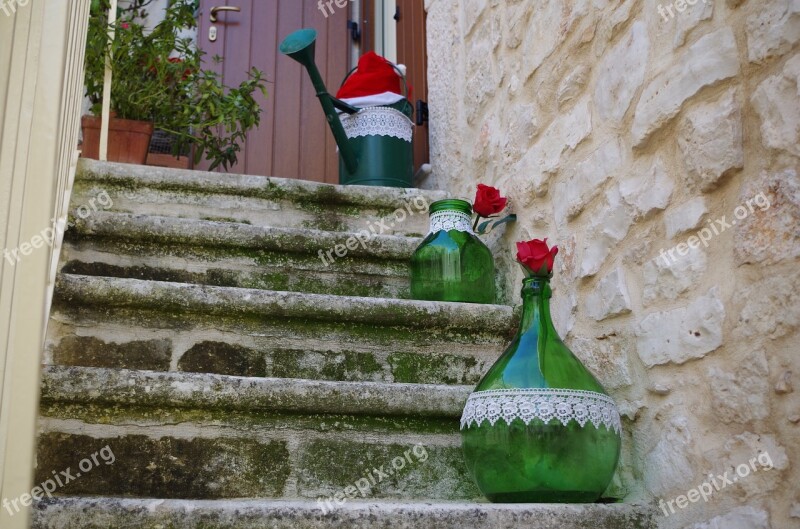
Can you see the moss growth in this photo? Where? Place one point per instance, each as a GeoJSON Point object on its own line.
{"type": "Point", "coordinates": [253, 420]}
{"type": "Point", "coordinates": [223, 359]}
{"type": "Point", "coordinates": [279, 277]}
{"type": "Point", "coordinates": [87, 351]}
{"type": "Point", "coordinates": [227, 219]}
{"type": "Point", "coordinates": [431, 472]}
{"type": "Point", "coordinates": [326, 365]}
{"type": "Point", "coordinates": [167, 467]}
{"type": "Point", "coordinates": [243, 322]}
{"type": "Point", "coordinates": [434, 368]}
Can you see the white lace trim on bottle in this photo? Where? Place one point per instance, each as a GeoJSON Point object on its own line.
{"type": "Point", "coordinates": [450, 220]}
{"type": "Point", "coordinates": [378, 121]}
{"type": "Point", "coordinates": [563, 405]}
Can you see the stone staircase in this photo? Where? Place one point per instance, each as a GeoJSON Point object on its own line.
{"type": "Point", "coordinates": [237, 352]}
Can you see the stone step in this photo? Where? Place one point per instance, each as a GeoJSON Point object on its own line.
{"type": "Point", "coordinates": [239, 255]}
{"type": "Point", "coordinates": [256, 200]}
{"type": "Point", "coordinates": [201, 436]}
{"type": "Point", "coordinates": [164, 326]}
{"type": "Point", "coordinates": [105, 512]}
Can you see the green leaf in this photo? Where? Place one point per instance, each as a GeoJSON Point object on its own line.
{"type": "Point", "coordinates": [489, 225]}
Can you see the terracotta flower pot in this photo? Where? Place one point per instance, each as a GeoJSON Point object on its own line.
{"type": "Point", "coordinates": [128, 140]}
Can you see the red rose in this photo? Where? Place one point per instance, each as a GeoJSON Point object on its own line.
{"type": "Point", "coordinates": [488, 201]}
{"type": "Point", "coordinates": [536, 257]}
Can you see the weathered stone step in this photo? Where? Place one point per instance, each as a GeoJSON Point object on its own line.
{"type": "Point", "coordinates": [239, 255]}
{"type": "Point", "coordinates": [102, 513]}
{"type": "Point", "coordinates": [125, 387]}
{"type": "Point", "coordinates": [257, 200]}
{"type": "Point", "coordinates": [201, 436]}
{"type": "Point", "coordinates": [137, 324]}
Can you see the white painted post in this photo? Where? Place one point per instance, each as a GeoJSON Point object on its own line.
{"type": "Point", "coordinates": [106, 112]}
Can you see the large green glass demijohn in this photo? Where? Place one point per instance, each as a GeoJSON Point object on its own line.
{"type": "Point", "coordinates": [452, 263]}
{"type": "Point", "coordinates": [539, 428]}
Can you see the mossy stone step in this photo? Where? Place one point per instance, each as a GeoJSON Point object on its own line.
{"type": "Point", "coordinates": [137, 324]}
{"type": "Point", "coordinates": [239, 255]}
{"type": "Point", "coordinates": [135, 388]}
{"type": "Point", "coordinates": [104, 512]}
{"type": "Point", "coordinates": [257, 200]}
{"type": "Point", "coordinates": [200, 436]}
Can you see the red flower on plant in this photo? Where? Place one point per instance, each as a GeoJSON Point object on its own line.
{"type": "Point", "coordinates": [536, 257]}
{"type": "Point", "coordinates": [488, 201]}
{"type": "Point", "coordinates": [125, 25]}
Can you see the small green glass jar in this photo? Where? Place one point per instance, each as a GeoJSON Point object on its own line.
{"type": "Point", "coordinates": [539, 428]}
{"type": "Point", "coordinates": [452, 263]}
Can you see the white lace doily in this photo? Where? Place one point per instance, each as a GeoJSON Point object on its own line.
{"type": "Point", "coordinates": [564, 405]}
{"type": "Point", "coordinates": [450, 220]}
{"type": "Point", "coordinates": [378, 121]}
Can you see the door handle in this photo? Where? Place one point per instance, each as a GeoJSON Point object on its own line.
{"type": "Point", "coordinates": [214, 10]}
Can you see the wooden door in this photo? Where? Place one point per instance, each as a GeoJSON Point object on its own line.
{"type": "Point", "coordinates": [293, 140]}
{"type": "Point", "coordinates": [412, 50]}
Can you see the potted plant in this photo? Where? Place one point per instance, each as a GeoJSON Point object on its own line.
{"type": "Point", "coordinates": [159, 83]}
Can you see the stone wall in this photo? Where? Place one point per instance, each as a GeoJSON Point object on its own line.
{"type": "Point", "coordinates": [661, 154]}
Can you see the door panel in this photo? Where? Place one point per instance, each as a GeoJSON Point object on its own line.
{"type": "Point", "coordinates": [293, 139]}
{"type": "Point", "coordinates": [412, 50]}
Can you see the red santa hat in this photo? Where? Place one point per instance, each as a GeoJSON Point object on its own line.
{"type": "Point", "coordinates": [375, 81]}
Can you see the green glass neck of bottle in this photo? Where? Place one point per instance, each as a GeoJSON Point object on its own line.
{"type": "Point", "coordinates": [451, 204]}
{"type": "Point", "coordinates": [536, 294]}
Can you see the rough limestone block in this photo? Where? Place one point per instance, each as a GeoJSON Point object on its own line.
{"type": "Point", "coordinates": [610, 298]}
{"type": "Point", "coordinates": [549, 26]}
{"type": "Point", "coordinates": [776, 102]}
{"type": "Point", "coordinates": [685, 217]}
{"type": "Point", "coordinates": [622, 73]}
{"type": "Point", "coordinates": [666, 278]}
{"type": "Point", "coordinates": [668, 463]}
{"type": "Point", "coordinates": [739, 450]}
{"type": "Point", "coordinates": [737, 518]}
{"type": "Point", "coordinates": [573, 84]}
{"type": "Point", "coordinates": [770, 307]}
{"type": "Point", "coordinates": [711, 59]}
{"type": "Point", "coordinates": [772, 29]}
{"type": "Point", "coordinates": [771, 232]}
{"type": "Point", "coordinates": [679, 335]}
{"type": "Point", "coordinates": [710, 140]}
{"type": "Point", "coordinates": [544, 158]}
{"type": "Point", "coordinates": [584, 182]}
{"type": "Point", "coordinates": [607, 357]}
{"type": "Point", "coordinates": [741, 394]}
{"type": "Point", "coordinates": [690, 19]}
{"type": "Point", "coordinates": [605, 232]}
{"type": "Point", "coordinates": [649, 190]}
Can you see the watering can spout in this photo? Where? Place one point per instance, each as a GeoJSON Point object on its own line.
{"type": "Point", "coordinates": [300, 46]}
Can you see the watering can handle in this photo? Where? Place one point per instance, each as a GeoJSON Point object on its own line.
{"type": "Point", "coordinates": [403, 77]}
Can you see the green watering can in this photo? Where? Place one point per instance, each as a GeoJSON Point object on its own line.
{"type": "Point", "coordinates": [375, 146]}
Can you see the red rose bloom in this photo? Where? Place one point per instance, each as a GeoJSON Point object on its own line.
{"type": "Point", "coordinates": [488, 201]}
{"type": "Point", "coordinates": [536, 257]}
